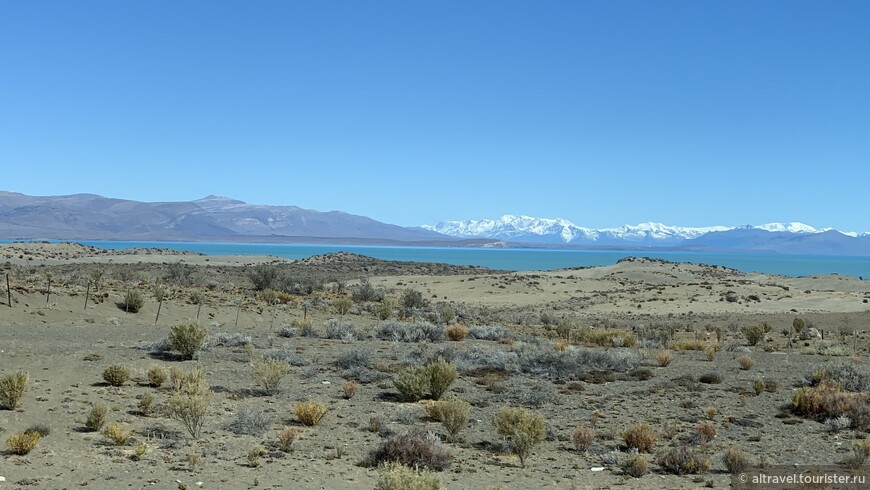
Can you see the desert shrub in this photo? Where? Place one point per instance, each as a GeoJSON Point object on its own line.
{"type": "Point", "coordinates": [190, 401]}
{"type": "Point", "coordinates": [755, 333]}
{"type": "Point", "coordinates": [365, 292]}
{"type": "Point", "coordinates": [524, 430]}
{"type": "Point", "coordinates": [23, 442]}
{"type": "Point", "coordinates": [133, 301]}
{"type": "Point", "coordinates": [826, 400]}
{"type": "Point", "coordinates": [457, 332]}
{"type": "Point", "coordinates": [746, 363]}
{"type": "Point", "coordinates": [414, 449]}
{"type": "Point", "coordinates": [354, 358]}
{"type": "Point", "coordinates": [484, 359]}
{"type": "Point", "coordinates": [838, 424]}
{"type": "Point", "coordinates": [849, 376]}
{"type": "Point", "coordinates": [442, 374]}
{"type": "Point", "coordinates": [653, 337]}
{"type": "Point", "coordinates": [758, 386]}
{"type": "Point", "coordinates": [288, 331]}
{"type": "Point", "coordinates": [309, 413]}
{"type": "Point", "coordinates": [250, 421]}
{"type": "Point", "coordinates": [445, 313]}
{"type": "Point", "coordinates": [116, 375]}
{"type": "Point", "coordinates": [117, 434]}
{"type": "Point", "coordinates": [146, 405]}
{"type": "Point", "coordinates": [96, 417]}
{"type": "Point", "coordinates": [453, 415]}
{"type": "Point", "coordinates": [582, 437]}
{"type": "Point", "coordinates": [798, 324]}
{"type": "Point", "coordinates": [268, 374]}
{"type": "Point", "coordinates": [187, 339]}
{"type": "Point", "coordinates": [640, 436]}
{"type": "Point", "coordinates": [735, 460]}
{"type": "Point", "coordinates": [605, 337]}
{"type": "Point", "coordinates": [494, 333]}
{"type": "Point", "coordinates": [349, 389]}
{"type": "Point", "coordinates": [860, 453]}
{"type": "Point", "coordinates": [410, 332]}
{"type": "Point", "coordinates": [413, 299]}
{"type": "Point", "coordinates": [710, 351]}
{"type": "Point", "coordinates": [12, 388]}
{"type": "Point", "coordinates": [412, 383]}
{"type": "Point", "coordinates": [345, 332]}
{"type": "Point", "coordinates": [396, 476]}
{"type": "Point", "coordinates": [286, 437]}
{"type": "Point", "coordinates": [637, 466]}
{"type": "Point", "coordinates": [263, 277]}
{"type": "Point", "coordinates": [573, 364]}
{"type": "Point", "coordinates": [156, 376]}
{"type": "Point", "coordinates": [684, 461]}
{"type": "Point", "coordinates": [688, 344]}
{"type": "Point", "coordinates": [705, 432]}
{"type": "Point", "coordinates": [225, 339]}
{"type": "Point", "coordinates": [664, 358]}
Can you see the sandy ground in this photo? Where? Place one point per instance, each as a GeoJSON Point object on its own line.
{"type": "Point", "coordinates": [65, 346]}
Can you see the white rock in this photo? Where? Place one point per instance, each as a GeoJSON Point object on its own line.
{"type": "Point", "coordinates": [597, 468]}
{"type": "Point", "coordinates": [325, 383]}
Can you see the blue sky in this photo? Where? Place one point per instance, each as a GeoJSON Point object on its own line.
{"type": "Point", "coordinates": [605, 113]}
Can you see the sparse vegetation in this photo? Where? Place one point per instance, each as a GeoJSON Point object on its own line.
{"type": "Point", "coordinates": [640, 436]}
{"type": "Point", "coordinates": [251, 421]}
{"type": "Point", "coordinates": [117, 434]}
{"type": "Point", "coordinates": [186, 339]}
{"type": "Point", "coordinates": [309, 413]}
{"type": "Point", "coordinates": [442, 374]}
{"type": "Point", "coordinates": [286, 437]}
{"type": "Point", "coordinates": [396, 476]}
{"type": "Point", "coordinates": [133, 301]}
{"type": "Point", "coordinates": [582, 437]}
{"type": "Point", "coordinates": [453, 415]}
{"type": "Point", "coordinates": [414, 449]}
{"type": "Point", "coordinates": [522, 428]}
{"type": "Point", "coordinates": [156, 376]}
{"type": "Point", "coordinates": [664, 358]}
{"type": "Point", "coordinates": [12, 389]}
{"type": "Point", "coordinates": [637, 466]}
{"type": "Point", "coordinates": [755, 333]}
{"type": "Point", "coordinates": [96, 417]}
{"type": "Point", "coordinates": [746, 363]}
{"type": "Point", "coordinates": [457, 332]}
{"type": "Point", "coordinates": [116, 375]}
{"type": "Point", "coordinates": [190, 401]}
{"type": "Point", "coordinates": [735, 460]}
{"type": "Point", "coordinates": [684, 461]}
{"type": "Point", "coordinates": [268, 374]}
{"type": "Point", "coordinates": [23, 442]}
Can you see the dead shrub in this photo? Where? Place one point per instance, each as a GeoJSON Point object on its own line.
{"type": "Point", "coordinates": [664, 358]}
{"type": "Point", "coordinates": [12, 388]}
{"type": "Point", "coordinates": [457, 332]}
{"type": "Point", "coordinates": [582, 437]}
{"type": "Point", "coordinates": [309, 413]}
{"type": "Point", "coordinates": [23, 442]}
{"type": "Point", "coordinates": [640, 436]}
{"type": "Point", "coordinates": [414, 449]}
{"type": "Point", "coordinates": [684, 461]}
{"type": "Point", "coordinates": [286, 436]}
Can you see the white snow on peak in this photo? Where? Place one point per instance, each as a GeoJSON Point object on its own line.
{"type": "Point", "coordinates": [527, 228]}
{"type": "Point", "coordinates": [793, 227]}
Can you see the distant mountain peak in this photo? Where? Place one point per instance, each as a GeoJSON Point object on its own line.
{"type": "Point", "coordinates": [528, 229]}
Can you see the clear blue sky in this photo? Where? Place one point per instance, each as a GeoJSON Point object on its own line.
{"type": "Point", "coordinates": [605, 113]}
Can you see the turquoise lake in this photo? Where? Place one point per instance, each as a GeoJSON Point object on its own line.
{"type": "Point", "coordinates": [529, 259]}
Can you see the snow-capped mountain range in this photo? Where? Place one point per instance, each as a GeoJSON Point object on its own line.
{"type": "Point", "coordinates": [526, 229]}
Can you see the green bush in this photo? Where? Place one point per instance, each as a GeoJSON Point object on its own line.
{"type": "Point", "coordinates": [189, 403]}
{"type": "Point", "coordinates": [524, 429]}
{"type": "Point", "coordinates": [186, 339]}
{"type": "Point", "coordinates": [453, 415]}
{"type": "Point", "coordinates": [412, 383]}
{"type": "Point", "coordinates": [442, 374]}
{"type": "Point", "coordinates": [116, 375]}
{"type": "Point", "coordinates": [12, 388]}
{"type": "Point", "coordinates": [755, 333]}
{"type": "Point", "coordinates": [96, 417]}
{"type": "Point", "coordinates": [133, 301]}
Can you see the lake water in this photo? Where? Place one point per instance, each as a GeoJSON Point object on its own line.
{"type": "Point", "coordinates": [529, 259]}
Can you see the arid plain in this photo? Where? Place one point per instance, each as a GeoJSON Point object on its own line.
{"type": "Point", "coordinates": [689, 362]}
